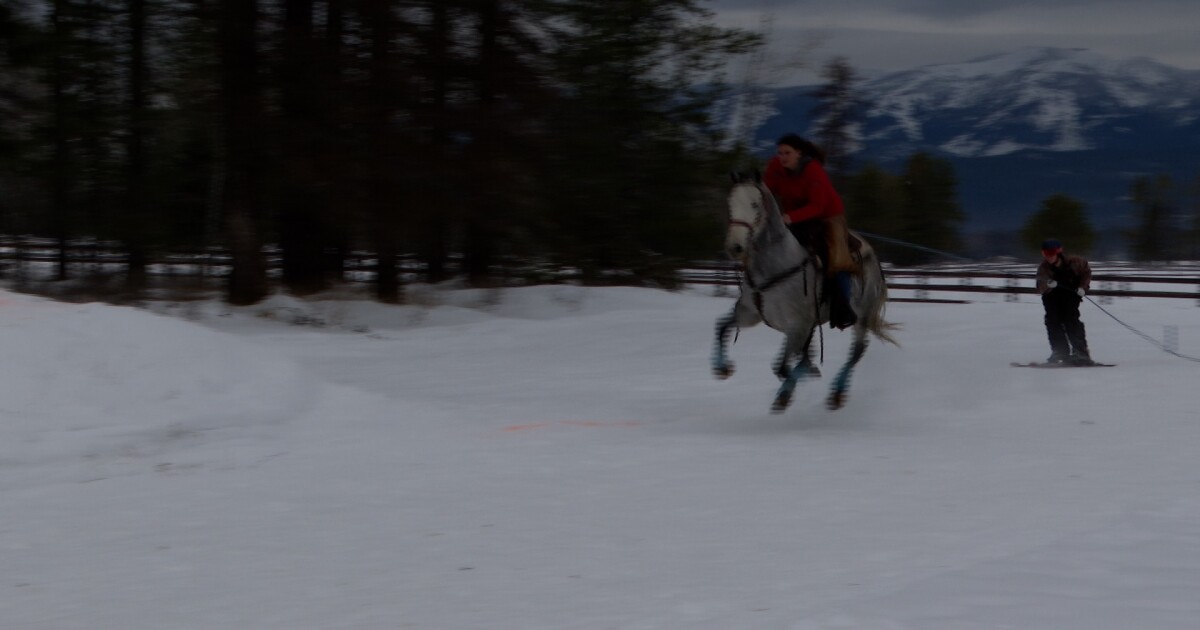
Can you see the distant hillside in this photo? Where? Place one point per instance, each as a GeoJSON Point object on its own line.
{"type": "Point", "coordinates": [1022, 126]}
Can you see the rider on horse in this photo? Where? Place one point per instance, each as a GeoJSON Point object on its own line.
{"type": "Point", "coordinates": [815, 216]}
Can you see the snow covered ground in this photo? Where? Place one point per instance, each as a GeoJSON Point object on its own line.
{"type": "Point", "coordinates": [560, 457]}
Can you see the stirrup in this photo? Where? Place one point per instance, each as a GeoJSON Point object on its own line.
{"type": "Point", "coordinates": [841, 314]}
{"type": "Point", "coordinates": [844, 322]}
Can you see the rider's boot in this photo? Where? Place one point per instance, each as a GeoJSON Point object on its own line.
{"type": "Point", "coordinates": [841, 314]}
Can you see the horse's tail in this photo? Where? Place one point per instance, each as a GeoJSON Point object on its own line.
{"type": "Point", "coordinates": [873, 319]}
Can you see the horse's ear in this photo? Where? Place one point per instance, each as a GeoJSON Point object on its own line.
{"type": "Point", "coordinates": [739, 177]}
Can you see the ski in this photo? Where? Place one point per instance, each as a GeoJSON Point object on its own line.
{"type": "Point", "coordinates": [1039, 364]}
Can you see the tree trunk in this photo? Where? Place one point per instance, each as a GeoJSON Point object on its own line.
{"type": "Point", "coordinates": [240, 103]}
{"type": "Point", "coordinates": [332, 87]}
{"type": "Point", "coordinates": [436, 234]}
{"type": "Point", "coordinates": [60, 178]}
{"type": "Point", "coordinates": [485, 203]}
{"type": "Point", "coordinates": [135, 167]}
{"type": "Point", "coordinates": [382, 205]}
{"type": "Point", "coordinates": [301, 230]}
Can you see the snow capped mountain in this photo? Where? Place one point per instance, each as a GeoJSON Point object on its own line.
{"type": "Point", "coordinates": [1049, 99]}
{"type": "Point", "coordinates": [1020, 127]}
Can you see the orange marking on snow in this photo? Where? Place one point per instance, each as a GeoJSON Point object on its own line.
{"type": "Point", "coordinates": [572, 423]}
{"type": "Point", "coordinates": [600, 423]}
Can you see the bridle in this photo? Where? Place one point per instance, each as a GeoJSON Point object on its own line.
{"type": "Point", "coordinates": [759, 217]}
{"type": "Point", "coordinates": [746, 224]}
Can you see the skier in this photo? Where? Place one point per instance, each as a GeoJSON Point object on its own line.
{"type": "Point", "coordinates": [1063, 281]}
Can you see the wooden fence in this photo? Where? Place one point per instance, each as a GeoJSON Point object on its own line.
{"type": "Point", "coordinates": [1012, 279]}
{"type": "Point", "coordinates": [948, 283]}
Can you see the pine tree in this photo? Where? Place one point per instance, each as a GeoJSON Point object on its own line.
{"type": "Point", "coordinates": [383, 215]}
{"type": "Point", "coordinates": [135, 212]}
{"type": "Point", "coordinates": [874, 198]}
{"type": "Point", "coordinates": [304, 141]}
{"type": "Point", "coordinates": [1063, 218]}
{"type": "Point", "coordinates": [1153, 237]}
{"type": "Point", "coordinates": [81, 132]}
{"type": "Point", "coordinates": [442, 64]}
{"type": "Point", "coordinates": [634, 157]}
{"type": "Point", "coordinates": [21, 109]}
{"type": "Point", "coordinates": [1192, 229]}
{"type": "Point", "coordinates": [838, 111]}
{"type": "Point", "coordinates": [930, 215]}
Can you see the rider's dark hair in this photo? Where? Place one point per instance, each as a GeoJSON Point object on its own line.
{"type": "Point", "coordinates": [804, 147]}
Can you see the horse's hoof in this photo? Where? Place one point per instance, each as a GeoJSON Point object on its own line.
{"type": "Point", "coordinates": [723, 372]}
{"type": "Point", "coordinates": [781, 403]}
{"type": "Point", "coordinates": [835, 401]}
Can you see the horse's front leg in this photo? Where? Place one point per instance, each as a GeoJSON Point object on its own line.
{"type": "Point", "coordinates": [783, 367]}
{"type": "Point", "coordinates": [792, 375]}
{"type": "Point", "coordinates": [806, 361]}
{"type": "Point", "coordinates": [740, 316]}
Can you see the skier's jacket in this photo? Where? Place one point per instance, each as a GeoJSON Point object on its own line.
{"type": "Point", "coordinates": [1074, 273]}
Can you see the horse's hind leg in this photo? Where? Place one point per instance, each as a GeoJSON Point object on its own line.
{"type": "Point", "coordinates": [738, 316]}
{"type": "Point", "coordinates": [837, 397]}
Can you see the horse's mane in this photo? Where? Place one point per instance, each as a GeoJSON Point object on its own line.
{"type": "Point", "coordinates": [754, 178]}
{"type": "Point", "coordinates": [776, 229]}
{"type": "Point", "coordinates": [772, 206]}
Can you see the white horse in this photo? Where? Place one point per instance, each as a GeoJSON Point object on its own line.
{"type": "Point", "coordinates": [783, 285]}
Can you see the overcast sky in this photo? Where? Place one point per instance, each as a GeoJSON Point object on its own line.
{"type": "Point", "coordinates": [888, 35]}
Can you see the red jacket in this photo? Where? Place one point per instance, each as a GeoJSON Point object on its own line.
{"type": "Point", "coordinates": [805, 195]}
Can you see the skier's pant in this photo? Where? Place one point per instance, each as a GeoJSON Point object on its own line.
{"type": "Point", "coordinates": [1063, 328]}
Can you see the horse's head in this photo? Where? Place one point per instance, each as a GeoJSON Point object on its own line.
{"type": "Point", "coordinates": [749, 206]}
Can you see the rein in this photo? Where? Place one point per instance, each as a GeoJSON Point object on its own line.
{"type": "Point", "coordinates": [780, 277]}
{"type": "Point", "coordinates": [771, 282]}
{"type": "Point", "coordinates": [775, 279]}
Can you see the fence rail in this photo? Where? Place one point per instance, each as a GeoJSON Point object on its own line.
{"type": "Point", "coordinates": [1011, 278]}
{"type": "Point", "coordinates": [1109, 280]}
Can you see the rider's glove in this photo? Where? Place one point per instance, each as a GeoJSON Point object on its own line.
{"type": "Point", "coordinates": [1052, 283]}
{"type": "Point", "coordinates": [1080, 292]}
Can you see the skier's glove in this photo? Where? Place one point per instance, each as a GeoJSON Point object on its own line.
{"type": "Point", "coordinates": [1080, 292]}
{"type": "Point", "coordinates": [1052, 283]}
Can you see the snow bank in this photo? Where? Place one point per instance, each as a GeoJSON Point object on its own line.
{"type": "Point", "coordinates": [103, 382]}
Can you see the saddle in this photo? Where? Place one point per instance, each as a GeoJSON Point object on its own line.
{"type": "Point", "coordinates": [815, 244]}
{"type": "Point", "coordinates": [855, 244]}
